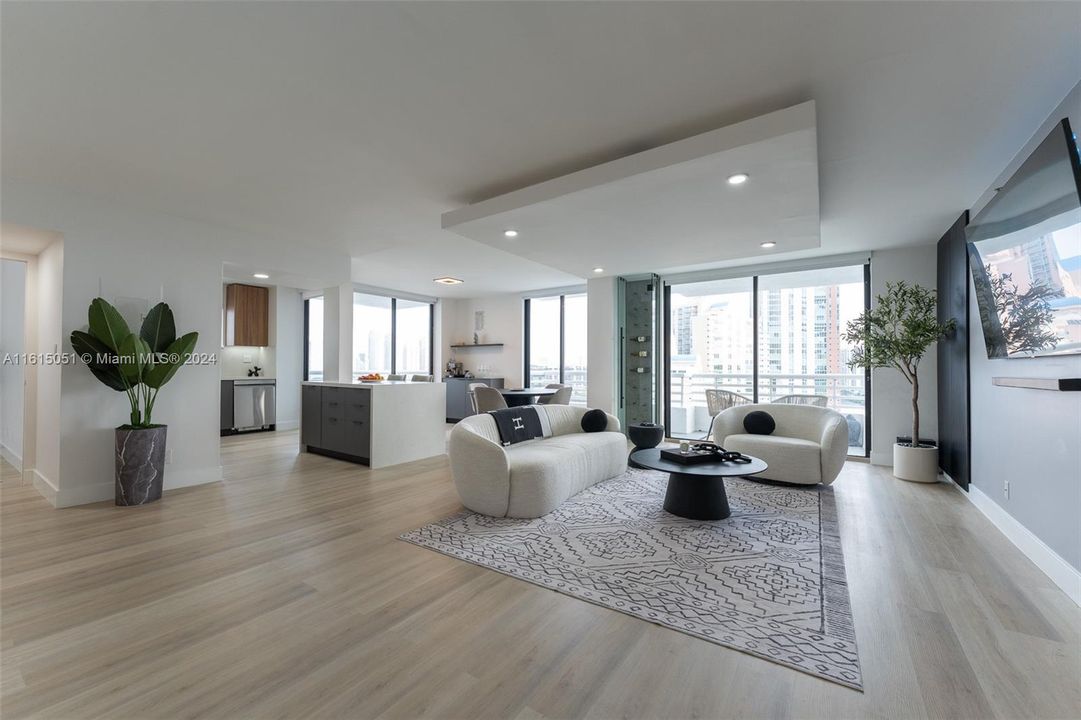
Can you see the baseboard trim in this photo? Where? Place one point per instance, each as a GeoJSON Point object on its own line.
{"type": "Point", "coordinates": [287, 425]}
{"type": "Point", "coordinates": [1064, 575]}
{"type": "Point", "coordinates": [100, 492]}
{"type": "Point", "coordinates": [11, 457]}
{"type": "Point", "coordinates": [186, 478]}
{"type": "Point", "coordinates": [45, 487]}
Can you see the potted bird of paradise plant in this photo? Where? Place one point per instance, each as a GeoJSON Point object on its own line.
{"type": "Point", "coordinates": [139, 365]}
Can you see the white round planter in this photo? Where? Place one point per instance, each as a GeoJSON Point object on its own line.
{"type": "Point", "coordinates": [918, 464]}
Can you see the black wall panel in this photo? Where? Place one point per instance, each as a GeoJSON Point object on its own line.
{"type": "Point", "coordinates": [954, 442]}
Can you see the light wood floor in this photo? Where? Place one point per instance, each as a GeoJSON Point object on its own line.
{"type": "Point", "coordinates": [283, 593]}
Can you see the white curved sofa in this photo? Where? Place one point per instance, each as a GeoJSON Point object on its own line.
{"type": "Point", "coordinates": [809, 445]}
{"type": "Point", "coordinates": [532, 478]}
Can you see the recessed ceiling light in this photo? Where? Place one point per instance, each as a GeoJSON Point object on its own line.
{"type": "Point", "coordinates": [261, 276]}
{"type": "Point", "coordinates": [598, 270]}
{"type": "Point", "coordinates": [738, 178]}
{"type": "Point", "coordinates": [448, 281]}
{"type": "Point", "coordinates": [510, 233]}
{"type": "Point", "coordinates": [769, 244]}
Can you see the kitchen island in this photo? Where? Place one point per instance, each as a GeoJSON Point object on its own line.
{"type": "Point", "coordinates": [377, 424]}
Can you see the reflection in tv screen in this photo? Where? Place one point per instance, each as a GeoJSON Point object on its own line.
{"type": "Point", "coordinates": [1025, 255]}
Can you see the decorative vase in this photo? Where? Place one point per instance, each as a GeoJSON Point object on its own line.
{"type": "Point", "coordinates": [140, 464]}
{"type": "Point", "coordinates": [916, 464]}
{"type": "Point", "coordinates": [645, 435]}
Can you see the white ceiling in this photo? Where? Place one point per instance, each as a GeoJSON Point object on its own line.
{"type": "Point", "coordinates": [667, 207]}
{"type": "Point", "coordinates": [356, 125]}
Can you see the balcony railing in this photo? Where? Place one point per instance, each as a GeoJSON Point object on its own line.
{"type": "Point", "coordinates": [845, 393]}
{"type": "Point", "coordinates": [576, 378]}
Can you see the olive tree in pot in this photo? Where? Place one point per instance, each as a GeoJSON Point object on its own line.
{"type": "Point", "coordinates": [138, 365]}
{"type": "Point", "coordinates": [895, 333]}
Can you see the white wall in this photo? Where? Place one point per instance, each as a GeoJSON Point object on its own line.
{"type": "Point", "coordinates": [1031, 438]}
{"type": "Point", "coordinates": [48, 420]}
{"type": "Point", "coordinates": [115, 251]}
{"type": "Point", "coordinates": [338, 333]}
{"type": "Point", "coordinates": [891, 394]}
{"type": "Point", "coordinates": [288, 339]}
{"type": "Point", "coordinates": [12, 345]}
{"type": "Point", "coordinates": [504, 322]}
{"type": "Point", "coordinates": [601, 350]}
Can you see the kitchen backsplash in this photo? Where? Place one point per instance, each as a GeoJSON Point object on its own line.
{"type": "Point", "coordinates": [236, 361]}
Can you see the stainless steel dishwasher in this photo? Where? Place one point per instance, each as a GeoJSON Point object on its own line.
{"type": "Point", "coordinates": [253, 403]}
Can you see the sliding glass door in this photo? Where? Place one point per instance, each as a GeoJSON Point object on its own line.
{"type": "Point", "coordinates": [556, 339]}
{"type": "Point", "coordinates": [767, 339]}
{"type": "Point", "coordinates": [711, 342]}
{"type": "Point", "coordinates": [801, 355]}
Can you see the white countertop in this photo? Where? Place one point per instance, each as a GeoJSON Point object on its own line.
{"type": "Point", "coordinates": [359, 384]}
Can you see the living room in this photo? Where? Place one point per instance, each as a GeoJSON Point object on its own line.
{"type": "Point", "coordinates": [540, 359]}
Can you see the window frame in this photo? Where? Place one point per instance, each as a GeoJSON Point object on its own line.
{"type": "Point", "coordinates": [527, 327]}
{"type": "Point", "coordinates": [755, 313]}
{"type": "Point", "coordinates": [306, 365]}
{"type": "Point", "coordinates": [394, 329]}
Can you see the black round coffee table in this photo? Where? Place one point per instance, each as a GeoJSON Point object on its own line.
{"type": "Point", "coordinates": [696, 491]}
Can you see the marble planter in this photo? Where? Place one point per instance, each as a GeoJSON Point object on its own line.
{"type": "Point", "coordinates": [140, 464]}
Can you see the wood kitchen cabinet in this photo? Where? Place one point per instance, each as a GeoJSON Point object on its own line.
{"type": "Point", "coordinates": [247, 315]}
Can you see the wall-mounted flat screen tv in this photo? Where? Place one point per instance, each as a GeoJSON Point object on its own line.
{"type": "Point", "coordinates": [1025, 255]}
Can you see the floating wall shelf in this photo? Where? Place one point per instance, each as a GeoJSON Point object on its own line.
{"type": "Point", "coordinates": [1060, 384]}
{"type": "Point", "coordinates": [473, 345]}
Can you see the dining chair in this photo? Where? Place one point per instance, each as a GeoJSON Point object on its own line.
{"type": "Point", "coordinates": [395, 377]}
{"type": "Point", "coordinates": [487, 398]}
{"type": "Point", "coordinates": [421, 378]}
{"type": "Point", "coordinates": [816, 400]}
{"type": "Point", "coordinates": [718, 400]}
{"type": "Point", "coordinates": [471, 392]}
{"type": "Point", "coordinates": [562, 395]}
{"type": "Point", "coordinates": [557, 398]}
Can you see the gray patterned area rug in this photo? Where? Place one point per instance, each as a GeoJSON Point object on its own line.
{"type": "Point", "coordinates": [768, 581]}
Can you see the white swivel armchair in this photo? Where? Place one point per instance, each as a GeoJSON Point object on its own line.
{"type": "Point", "coordinates": [808, 446]}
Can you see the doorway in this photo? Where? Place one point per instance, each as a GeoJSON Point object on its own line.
{"type": "Point", "coordinates": [13, 275]}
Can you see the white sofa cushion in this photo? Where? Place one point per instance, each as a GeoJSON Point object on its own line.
{"type": "Point", "coordinates": [545, 472]}
{"type": "Point", "coordinates": [790, 459]}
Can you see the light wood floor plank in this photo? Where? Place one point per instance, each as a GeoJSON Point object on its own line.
{"type": "Point", "coordinates": [283, 592]}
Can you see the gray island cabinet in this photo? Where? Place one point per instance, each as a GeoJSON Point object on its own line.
{"type": "Point", "coordinates": [377, 424]}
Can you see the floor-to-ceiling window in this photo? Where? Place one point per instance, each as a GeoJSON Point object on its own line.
{"type": "Point", "coordinates": [412, 337]}
{"type": "Point", "coordinates": [556, 339]}
{"type": "Point", "coordinates": [372, 334]}
{"type": "Point", "coordinates": [766, 338]}
{"type": "Point", "coordinates": [391, 335]}
{"type": "Point", "coordinates": [575, 340]}
{"type": "Point", "coordinates": [313, 338]}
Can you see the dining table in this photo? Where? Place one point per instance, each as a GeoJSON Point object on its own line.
{"type": "Point", "coordinates": [516, 397]}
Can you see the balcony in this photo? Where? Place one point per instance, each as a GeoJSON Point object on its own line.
{"type": "Point", "coordinates": [845, 393]}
